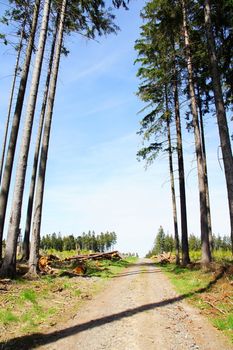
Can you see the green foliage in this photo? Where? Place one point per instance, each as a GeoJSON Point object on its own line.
{"type": "Point", "coordinates": [157, 56]}
{"type": "Point", "coordinates": [194, 243]}
{"type": "Point", "coordinates": [163, 243]}
{"type": "Point", "coordinates": [87, 241]}
{"type": "Point", "coordinates": [166, 243]}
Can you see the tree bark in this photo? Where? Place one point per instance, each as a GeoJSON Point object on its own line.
{"type": "Point", "coordinates": [221, 114]}
{"type": "Point", "coordinates": [206, 254]}
{"type": "Point", "coordinates": [183, 209]}
{"type": "Point", "coordinates": [8, 268]}
{"type": "Point", "coordinates": [206, 171]}
{"type": "Point", "coordinates": [35, 241]}
{"type": "Point", "coordinates": [10, 102]}
{"type": "Point", "coordinates": [174, 209]}
{"type": "Point", "coordinates": [15, 125]}
{"type": "Point", "coordinates": [26, 240]}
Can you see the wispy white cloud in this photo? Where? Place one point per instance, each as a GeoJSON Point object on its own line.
{"type": "Point", "coordinates": [88, 69]}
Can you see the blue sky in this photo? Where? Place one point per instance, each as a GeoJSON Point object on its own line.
{"type": "Point", "coordinates": [94, 181]}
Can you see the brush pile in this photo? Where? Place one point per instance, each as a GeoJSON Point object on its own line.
{"type": "Point", "coordinates": [51, 264]}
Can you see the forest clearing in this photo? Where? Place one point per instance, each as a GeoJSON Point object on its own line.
{"type": "Point", "coordinates": [89, 88]}
{"type": "Point", "coordinates": [137, 308]}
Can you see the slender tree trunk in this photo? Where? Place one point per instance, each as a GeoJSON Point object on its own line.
{"type": "Point", "coordinates": [11, 102]}
{"type": "Point", "coordinates": [206, 254]}
{"type": "Point", "coordinates": [15, 125]}
{"type": "Point", "coordinates": [26, 240]}
{"type": "Point", "coordinates": [205, 167]}
{"type": "Point", "coordinates": [176, 234]}
{"type": "Point", "coordinates": [35, 241]}
{"type": "Point", "coordinates": [183, 210]}
{"type": "Point", "coordinates": [9, 263]}
{"type": "Point", "coordinates": [221, 114]}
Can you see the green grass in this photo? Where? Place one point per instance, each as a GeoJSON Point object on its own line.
{"type": "Point", "coordinates": [7, 316]}
{"type": "Point", "coordinates": [77, 292]}
{"type": "Point", "coordinates": [34, 317]}
{"type": "Point", "coordinates": [185, 280]}
{"type": "Point", "coordinates": [31, 306]}
{"type": "Point", "coordinates": [223, 255]}
{"type": "Point", "coordinates": [196, 284]}
{"type": "Point", "coordinates": [107, 268]}
{"type": "Point", "coordinates": [28, 295]}
{"type": "Point", "coordinates": [224, 324]}
{"type": "Point", "coordinates": [218, 255]}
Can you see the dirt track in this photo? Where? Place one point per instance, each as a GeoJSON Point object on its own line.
{"type": "Point", "coordinates": [137, 310]}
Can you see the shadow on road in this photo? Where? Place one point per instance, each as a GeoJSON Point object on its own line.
{"type": "Point", "coordinates": [34, 340]}
{"type": "Point", "coordinates": [136, 272]}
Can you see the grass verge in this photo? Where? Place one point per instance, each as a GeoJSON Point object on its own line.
{"type": "Point", "coordinates": [211, 290]}
{"type": "Point", "coordinates": [34, 306]}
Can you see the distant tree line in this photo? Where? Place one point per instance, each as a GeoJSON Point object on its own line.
{"type": "Point", "coordinates": [87, 241]}
{"type": "Point", "coordinates": [166, 243]}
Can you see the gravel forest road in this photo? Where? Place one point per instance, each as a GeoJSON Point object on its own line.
{"type": "Point", "coordinates": [137, 310]}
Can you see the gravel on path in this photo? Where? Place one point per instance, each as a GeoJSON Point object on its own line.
{"type": "Point", "coordinates": [137, 310]}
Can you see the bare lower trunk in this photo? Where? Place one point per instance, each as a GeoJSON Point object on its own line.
{"type": "Point", "coordinates": [35, 241]}
{"type": "Point", "coordinates": [26, 240]}
{"type": "Point", "coordinates": [183, 210]}
{"type": "Point", "coordinates": [174, 210]}
{"type": "Point", "coordinates": [206, 254]}
{"type": "Point", "coordinates": [10, 102]}
{"type": "Point", "coordinates": [15, 125]}
{"type": "Point", "coordinates": [206, 172]}
{"type": "Point", "coordinates": [221, 114]}
{"type": "Point", "coordinates": [15, 216]}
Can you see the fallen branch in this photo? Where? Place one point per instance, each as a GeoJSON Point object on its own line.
{"type": "Point", "coordinates": [215, 307]}
{"type": "Point", "coordinates": [96, 256]}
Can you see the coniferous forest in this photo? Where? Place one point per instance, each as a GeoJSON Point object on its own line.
{"type": "Point", "coordinates": [184, 53]}
{"type": "Point", "coordinates": [87, 241]}
{"type": "Point", "coordinates": [82, 291]}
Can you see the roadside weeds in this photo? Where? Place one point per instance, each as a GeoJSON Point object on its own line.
{"type": "Point", "coordinates": [210, 290]}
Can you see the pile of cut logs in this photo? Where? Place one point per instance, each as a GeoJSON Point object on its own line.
{"type": "Point", "coordinates": [164, 258]}
{"type": "Point", "coordinates": [115, 255]}
{"type": "Point", "coordinates": [49, 263]}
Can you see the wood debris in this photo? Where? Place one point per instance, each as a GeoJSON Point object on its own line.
{"type": "Point", "coordinates": [45, 263]}
{"type": "Point", "coordinates": [115, 255]}
{"type": "Point", "coordinates": [164, 258]}
{"type": "Point", "coordinates": [48, 264]}
{"type": "Point", "coordinates": [80, 270]}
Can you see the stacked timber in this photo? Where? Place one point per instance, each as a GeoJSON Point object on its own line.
{"type": "Point", "coordinates": [48, 264]}
{"type": "Point", "coordinates": [164, 258]}
{"type": "Point", "coordinates": [115, 255]}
